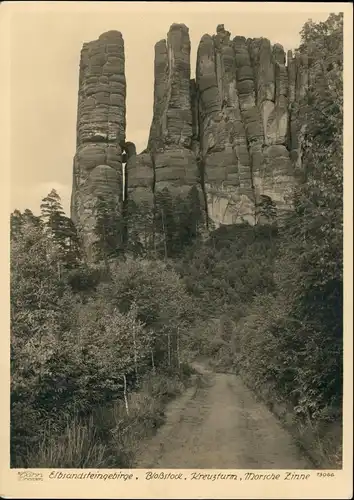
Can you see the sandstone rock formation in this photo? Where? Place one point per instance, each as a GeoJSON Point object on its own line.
{"type": "Point", "coordinates": [222, 126]}
{"type": "Point", "coordinates": [234, 132]}
{"type": "Point", "coordinates": [170, 161]}
{"type": "Point", "coordinates": [100, 130]}
{"type": "Point", "coordinates": [244, 122]}
{"type": "Point", "coordinates": [139, 175]}
{"type": "Point", "coordinates": [171, 133]}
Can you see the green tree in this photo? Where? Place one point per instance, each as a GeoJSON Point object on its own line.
{"type": "Point", "coordinates": [52, 212]}
{"type": "Point", "coordinates": [41, 306]}
{"type": "Point", "coordinates": [197, 218]}
{"type": "Point", "coordinates": [29, 217]}
{"type": "Point", "coordinates": [266, 210]}
{"type": "Point", "coordinates": [140, 222]}
{"type": "Point", "coordinates": [110, 230]}
{"type": "Point", "coordinates": [159, 297]}
{"type": "Point", "coordinates": [18, 220]}
{"type": "Point", "coordinates": [16, 223]}
{"type": "Point", "coordinates": [164, 222]}
{"type": "Point", "coordinates": [178, 220]}
{"type": "Point", "coordinates": [66, 356]}
{"type": "Point", "coordinates": [189, 219]}
{"type": "Point", "coordinates": [61, 229]}
{"type": "Point", "coordinates": [317, 224]}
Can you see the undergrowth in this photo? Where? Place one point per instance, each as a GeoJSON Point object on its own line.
{"type": "Point", "coordinates": [111, 435]}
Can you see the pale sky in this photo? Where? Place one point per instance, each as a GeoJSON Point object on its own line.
{"type": "Point", "coordinates": [45, 51]}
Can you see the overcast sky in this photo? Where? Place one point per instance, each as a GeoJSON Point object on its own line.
{"type": "Point", "coordinates": [45, 52]}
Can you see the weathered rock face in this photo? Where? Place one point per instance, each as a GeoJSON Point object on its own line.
{"type": "Point", "coordinates": [233, 134]}
{"type": "Point", "coordinates": [244, 125]}
{"type": "Point", "coordinates": [100, 130]}
{"type": "Point", "coordinates": [223, 140]}
{"type": "Point", "coordinates": [272, 172]}
{"type": "Point", "coordinates": [171, 134]}
{"type": "Point", "coordinates": [139, 195]}
{"type": "Point", "coordinates": [170, 162]}
{"type": "Point", "coordinates": [139, 176]}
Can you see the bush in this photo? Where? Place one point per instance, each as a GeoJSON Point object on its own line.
{"type": "Point", "coordinates": [226, 271]}
{"type": "Point", "coordinates": [77, 447]}
{"type": "Point", "coordinates": [110, 436]}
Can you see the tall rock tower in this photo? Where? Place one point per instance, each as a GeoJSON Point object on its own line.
{"type": "Point", "coordinates": [218, 145]}
{"type": "Point", "coordinates": [170, 164]}
{"type": "Point", "coordinates": [97, 171]}
{"type": "Point", "coordinates": [171, 130]}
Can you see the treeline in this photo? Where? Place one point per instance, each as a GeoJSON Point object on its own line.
{"type": "Point", "coordinates": [163, 230]}
{"type": "Point", "coordinates": [86, 337]}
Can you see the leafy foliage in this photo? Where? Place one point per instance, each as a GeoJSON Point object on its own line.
{"type": "Point", "coordinates": [71, 353]}
{"type": "Point", "coordinates": [266, 210]}
{"type": "Point", "coordinates": [226, 271]}
{"type": "Point", "coordinates": [159, 297]}
{"type": "Point", "coordinates": [40, 315]}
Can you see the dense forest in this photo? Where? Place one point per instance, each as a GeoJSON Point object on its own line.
{"type": "Point", "coordinates": [97, 349]}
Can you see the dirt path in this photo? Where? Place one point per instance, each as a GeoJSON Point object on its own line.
{"type": "Point", "coordinates": [219, 424]}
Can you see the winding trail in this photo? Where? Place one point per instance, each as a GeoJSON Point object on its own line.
{"type": "Point", "coordinates": [219, 424]}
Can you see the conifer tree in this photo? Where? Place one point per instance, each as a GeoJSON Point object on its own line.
{"type": "Point", "coordinates": [16, 223]}
{"type": "Point", "coordinates": [137, 227]}
{"type": "Point", "coordinates": [109, 230]}
{"type": "Point", "coordinates": [165, 223]}
{"type": "Point", "coordinates": [196, 216]}
{"type": "Point", "coordinates": [52, 212]}
{"type": "Point", "coordinates": [29, 217]}
{"type": "Point", "coordinates": [19, 220]}
{"type": "Point", "coordinates": [60, 229]}
{"type": "Point", "coordinates": [266, 210]}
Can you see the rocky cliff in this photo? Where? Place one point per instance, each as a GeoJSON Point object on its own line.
{"type": "Point", "coordinates": [232, 134]}
{"type": "Point", "coordinates": [244, 107]}
{"type": "Point", "coordinates": [97, 171]}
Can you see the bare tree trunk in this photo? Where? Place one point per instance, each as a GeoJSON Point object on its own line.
{"type": "Point", "coordinates": [152, 156]}
{"type": "Point", "coordinates": [169, 347]}
{"type": "Point", "coordinates": [153, 362]}
{"type": "Point", "coordinates": [164, 233]}
{"type": "Point", "coordinates": [59, 270]}
{"type": "Point", "coordinates": [178, 351]}
{"type": "Point", "coordinates": [125, 395]}
{"type": "Point", "coordinates": [154, 243]}
{"type": "Point", "coordinates": [135, 357]}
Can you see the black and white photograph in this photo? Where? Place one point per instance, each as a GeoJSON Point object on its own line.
{"type": "Point", "coordinates": [176, 239]}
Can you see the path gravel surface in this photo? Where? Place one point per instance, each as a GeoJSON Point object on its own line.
{"type": "Point", "coordinates": [219, 424]}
